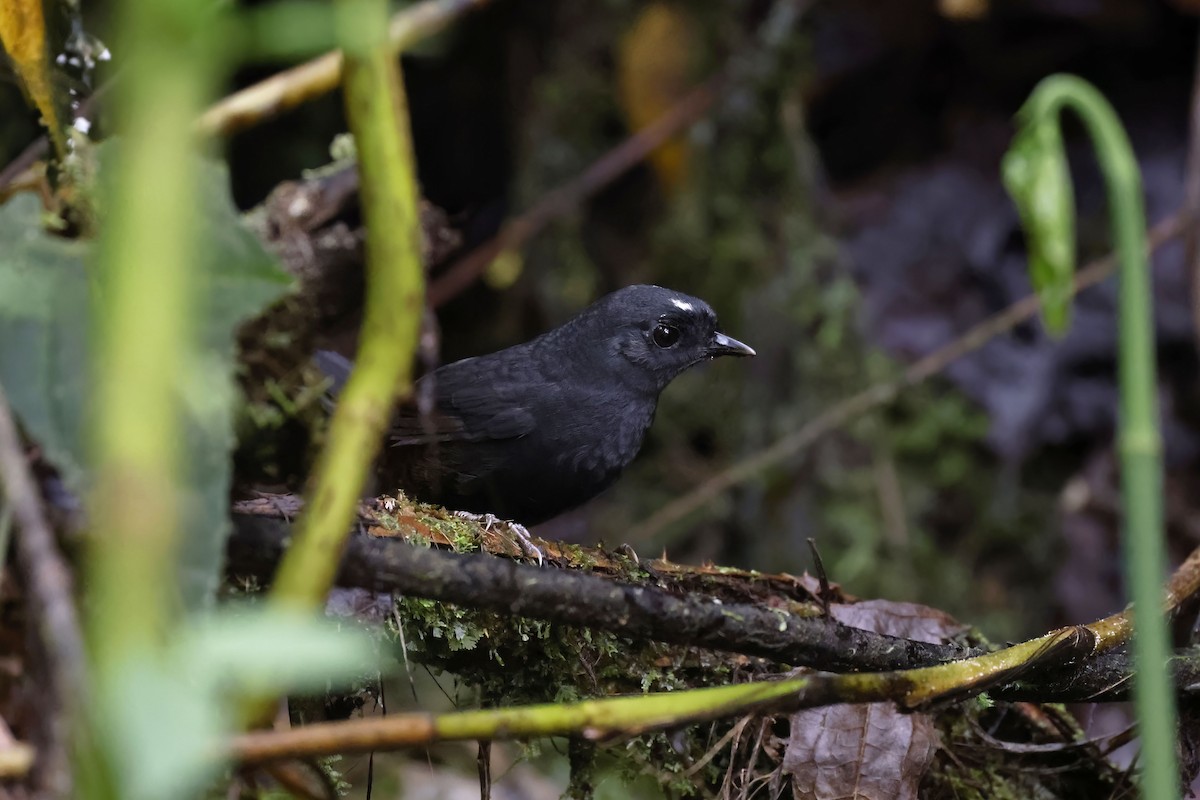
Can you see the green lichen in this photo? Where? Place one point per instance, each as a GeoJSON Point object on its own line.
{"type": "Point", "coordinates": [388, 521]}
{"type": "Point", "coordinates": [465, 540]}
{"type": "Point", "coordinates": [579, 556]}
{"type": "Point", "coordinates": [462, 534]}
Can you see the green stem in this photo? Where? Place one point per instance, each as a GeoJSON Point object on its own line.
{"type": "Point", "coordinates": [378, 116]}
{"type": "Point", "coordinates": [1139, 441]}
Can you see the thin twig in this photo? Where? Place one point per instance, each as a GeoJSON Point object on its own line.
{"type": "Point", "coordinates": [560, 202]}
{"type": "Point", "coordinates": [285, 90]}
{"type": "Point", "coordinates": [564, 200]}
{"type": "Point", "coordinates": [34, 151]}
{"type": "Point", "coordinates": [16, 758]}
{"type": "Point", "coordinates": [51, 600]}
{"type": "Point", "coordinates": [40, 146]}
{"type": "Point", "coordinates": [288, 89]}
{"type": "Point", "coordinates": [880, 394]}
{"type": "Point", "coordinates": [1191, 210]}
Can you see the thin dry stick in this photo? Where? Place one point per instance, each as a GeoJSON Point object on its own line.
{"type": "Point", "coordinates": [16, 758]}
{"type": "Point", "coordinates": [1191, 184]}
{"type": "Point", "coordinates": [565, 199]}
{"type": "Point", "coordinates": [1184, 583]}
{"type": "Point", "coordinates": [881, 393]}
{"type": "Point", "coordinates": [51, 598]}
{"type": "Point", "coordinates": [292, 87]}
{"type": "Point", "coordinates": [19, 166]}
{"type": "Point", "coordinates": [39, 148]}
{"type": "Point", "coordinates": [285, 90]}
{"type": "Point", "coordinates": [690, 109]}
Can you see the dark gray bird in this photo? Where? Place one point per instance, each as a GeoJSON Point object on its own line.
{"type": "Point", "coordinates": [537, 429]}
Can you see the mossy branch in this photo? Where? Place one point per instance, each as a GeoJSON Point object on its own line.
{"type": "Point", "coordinates": [711, 608]}
{"type": "Point", "coordinates": [754, 614]}
{"type": "Point", "coordinates": [598, 719]}
{"type": "Point", "coordinates": [378, 115]}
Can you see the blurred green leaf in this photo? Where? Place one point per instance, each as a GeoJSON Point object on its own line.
{"type": "Point", "coordinates": [1036, 174]}
{"type": "Point", "coordinates": [242, 279]}
{"type": "Point", "coordinates": [258, 650]}
{"type": "Point", "coordinates": [44, 326]}
{"type": "Point", "coordinates": [43, 333]}
{"type": "Point", "coordinates": [179, 708]}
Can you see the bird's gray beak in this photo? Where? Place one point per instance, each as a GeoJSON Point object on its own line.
{"type": "Point", "coordinates": [723, 345]}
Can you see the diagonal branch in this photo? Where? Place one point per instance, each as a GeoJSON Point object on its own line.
{"type": "Point", "coordinates": [51, 598]}
{"type": "Point", "coordinates": [566, 199]}
{"type": "Point", "coordinates": [305, 82]}
{"type": "Point", "coordinates": [1191, 189]}
{"type": "Point", "coordinates": [749, 64]}
{"type": "Point", "coordinates": [589, 719]}
{"type": "Point", "coordinates": [879, 394]}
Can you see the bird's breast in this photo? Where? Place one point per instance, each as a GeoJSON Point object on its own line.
{"type": "Point", "coordinates": [601, 441]}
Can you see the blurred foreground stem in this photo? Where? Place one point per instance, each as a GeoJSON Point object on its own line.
{"type": "Point", "coordinates": [143, 346]}
{"type": "Point", "coordinates": [143, 320]}
{"type": "Point", "coordinates": [378, 115]}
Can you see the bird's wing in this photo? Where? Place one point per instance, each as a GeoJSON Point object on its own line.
{"type": "Point", "coordinates": [475, 400]}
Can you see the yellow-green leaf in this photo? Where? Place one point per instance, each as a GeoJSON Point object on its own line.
{"type": "Point", "coordinates": [1038, 178]}
{"type": "Point", "coordinates": [23, 35]}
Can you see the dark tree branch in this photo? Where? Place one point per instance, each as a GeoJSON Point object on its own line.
{"type": "Point", "coordinates": [669, 608]}
{"type": "Point", "coordinates": [577, 598]}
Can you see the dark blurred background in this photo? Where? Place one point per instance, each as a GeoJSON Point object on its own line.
{"type": "Point", "coordinates": [840, 205]}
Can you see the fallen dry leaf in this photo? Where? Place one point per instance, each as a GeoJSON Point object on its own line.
{"type": "Point", "coordinates": [868, 751]}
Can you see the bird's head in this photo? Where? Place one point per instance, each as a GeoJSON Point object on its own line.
{"type": "Point", "coordinates": [653, 334]}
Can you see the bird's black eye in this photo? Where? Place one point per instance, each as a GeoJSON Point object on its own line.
{"type": "Point", "coordinates": [665, 335]}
